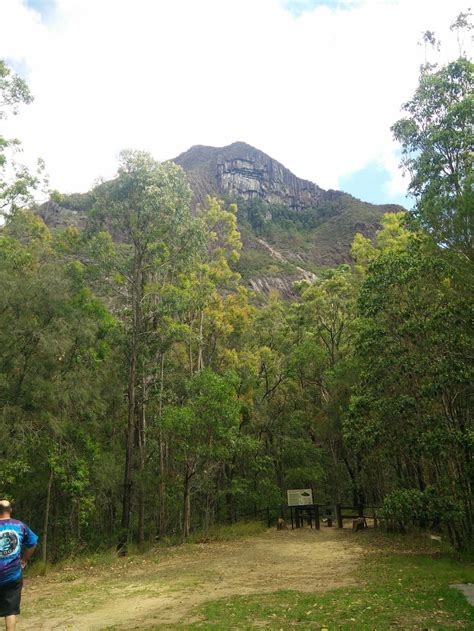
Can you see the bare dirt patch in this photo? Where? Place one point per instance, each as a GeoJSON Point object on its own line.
{"type": "Point", "coordinates": [165, 588]}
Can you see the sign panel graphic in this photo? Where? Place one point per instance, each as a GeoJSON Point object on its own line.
{"type": "Point", "coordinates": [300, 497]}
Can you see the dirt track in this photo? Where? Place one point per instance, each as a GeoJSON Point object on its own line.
{"type": "Point", "coordinates": [166, 588]}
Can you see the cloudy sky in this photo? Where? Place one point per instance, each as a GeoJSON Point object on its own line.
{"type": "Point", "coordinates": [316, 84]}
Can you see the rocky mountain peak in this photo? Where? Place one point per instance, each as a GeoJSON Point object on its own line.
{"type": "Point", "coordinates": [296, 231]}
{"type": "Point", "coordinates": [239, 170]}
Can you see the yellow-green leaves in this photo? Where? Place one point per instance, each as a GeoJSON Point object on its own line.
{"type": "Point", "coordinates": [394, 236]}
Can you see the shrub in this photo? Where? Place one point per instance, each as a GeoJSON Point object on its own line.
{"type": "Point", "coordinates": [409, 509]}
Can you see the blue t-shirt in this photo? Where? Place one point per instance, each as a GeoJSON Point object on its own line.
{"type": "Point", "coordinates": [14, 535]}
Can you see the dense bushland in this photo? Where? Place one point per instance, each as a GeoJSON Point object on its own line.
{"type": "Point", "coordinates": [143, 393]}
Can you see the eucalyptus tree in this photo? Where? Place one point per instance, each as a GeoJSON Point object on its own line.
{"type": "Point", "coordinates": [437, 138]}
{"type": "Point", "coordinates": [16, 181]}
{"type": "Point", "coordinates": [324, 321]}
{"type": "Point", "coordinates": [147, 210]}
{"type": "Point", "coordinates": [205, 431]}
{"type": "Point", "coordinates": [208, 305]}
{"type": "Point", "coordinates": [409, 417]}
{"type": "Point", "coordinates": [417, 305]}
{"type": "Point", "coordinates": [54, 349]}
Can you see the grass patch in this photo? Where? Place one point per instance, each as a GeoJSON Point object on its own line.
{"type": "Point", "coordinates": [87, 582]}
{"type": "Point", "coordinates": [400, 590]}
{"type": "Point", "coordinates": [231, 532]}
{"type": "Point", "coordinates": [71, 568]}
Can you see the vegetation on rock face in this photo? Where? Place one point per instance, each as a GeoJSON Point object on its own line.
{"type": "Point", "coordinates": [309, 238]}
{"type": "Point", "coordinates": [143, 393]}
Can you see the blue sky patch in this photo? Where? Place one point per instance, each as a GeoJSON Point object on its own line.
{"type": "Point", "coordinates": [298, 7]}
{"type": "Point", "coordinates": [44, 7]}
{"type": "Point", "coordinates": [370, 185]}
{"type": "Point", "coordinates": [19, 67]}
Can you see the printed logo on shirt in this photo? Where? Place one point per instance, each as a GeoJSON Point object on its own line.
{"type": "Point", "coordinates": [9, 543]}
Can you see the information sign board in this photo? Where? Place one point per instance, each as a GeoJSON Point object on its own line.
{"type": "Point", "coordinates": [300, 497]}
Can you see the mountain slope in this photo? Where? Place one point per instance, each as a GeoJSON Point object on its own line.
{"type": "Point", "coordinates": [309, 227]}
{"type": "Point", "coordinates": [243, 171]}
{"type": "Point", "coordinates": [291, 228]}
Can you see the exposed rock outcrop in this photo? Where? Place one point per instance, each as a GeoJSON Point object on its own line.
{"type": "Point", "coordinates": [272, 259]}
{"type": "Point", "coordinates": [303, 274]}
{"type": "Point", "coordinates": [280, 284]}
{"type": "Point", "coordinates": [240, 170]}
{"type": "Point", "coordinates": [56, 216]}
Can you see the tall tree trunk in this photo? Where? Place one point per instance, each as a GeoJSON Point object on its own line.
{"type": "Point", "coordinates": [187, 502]}
{"type": "Point", "coordinates": [162, 483]}
{"type": "Point", "coordinates": [335, 472]}
{"type": "Point", "coordinates": [162, 488]}
{"type": "Point", "coordinates": [130, 439]}
{"type": "Point", "coordinates": [131, 417]}
{"type": "Point", "coordinates": [78, 523]}
{"type": "Point", "coordinates": [111, 518]}
{"type": "Point", "coordinates": [142, 451]}
{"type": "Point", "coordinates": [200, 359]}
{"type": "Point", "coordinates": [229, 496]}
{"type": "Point", "coordinates": [354, 486]}
{"type": "Point", "coordinates": [44, 548]}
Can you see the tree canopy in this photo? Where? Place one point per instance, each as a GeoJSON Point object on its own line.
{"type": "Point", "coordinates": [145, 391]}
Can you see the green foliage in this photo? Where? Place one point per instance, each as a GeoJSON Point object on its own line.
{"type": "Point", "coordinates": [79, 202]}
{"type": "Point", "coordinates": [413, 346]}
{"type": "Point", "coordinates": [437, 139]}
{"type": "Point", "coordinates": [320, 237]}
{"type": "Point", "coordinates": [13, 91]}
{"type": "Point", "coordinates": [16, 181]}
{"type": "Point", "coordinates": [54, 361]}
{"type": "Point", "coordinates": [206, 426]}
{"type": "Point", "coordinates": [407, 509]}
{"type": "Point", "coordinates": [394, 236]}
{"type": "Point", "coordinates": [142, 394]}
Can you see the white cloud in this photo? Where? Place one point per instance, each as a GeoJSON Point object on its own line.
{"type": "Point", "coordinates": [318, 92]}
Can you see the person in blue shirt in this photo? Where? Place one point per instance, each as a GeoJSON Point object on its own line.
{"type": "Point", "coordinates": [17, 544]}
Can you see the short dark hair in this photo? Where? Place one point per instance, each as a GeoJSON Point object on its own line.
{"type": "Point", "coordinates": [5, 507]}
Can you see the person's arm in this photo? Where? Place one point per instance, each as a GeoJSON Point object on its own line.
{"type": "Point", "coordinates": [27, 554]}
{"type": "Point", "coordinates": [29, 546]}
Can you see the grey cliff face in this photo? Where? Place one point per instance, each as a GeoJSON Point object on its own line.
{"type": "Point", "coordinates": [271, 259]}
{"type": "Point", "coordinates": [239, 170]}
